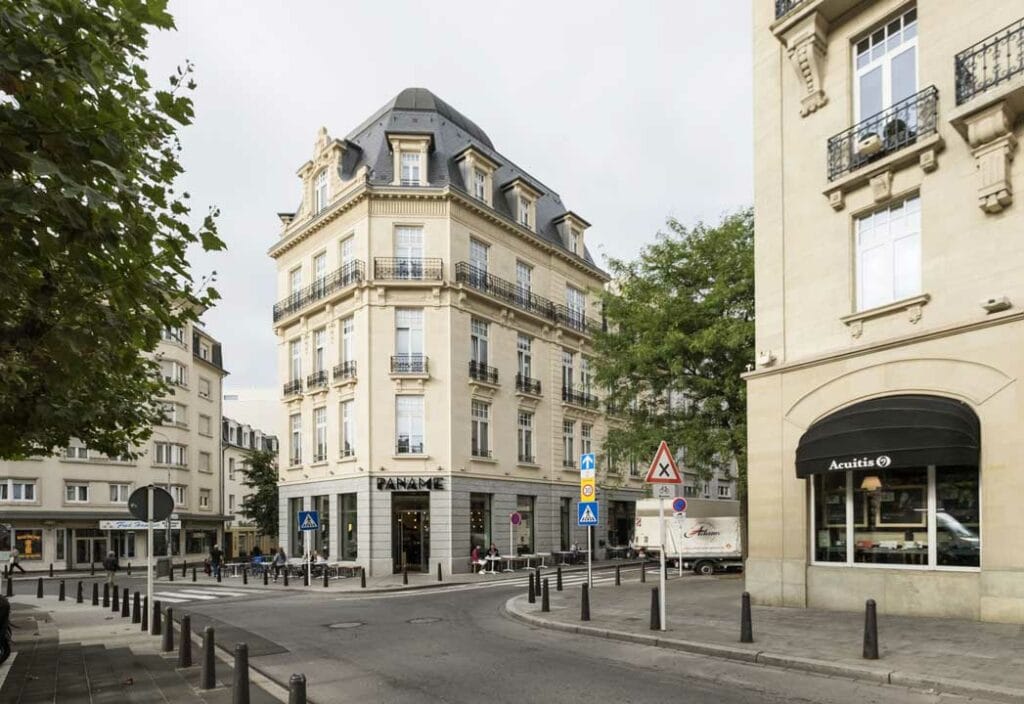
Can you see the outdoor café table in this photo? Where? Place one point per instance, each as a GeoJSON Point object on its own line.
{"type": "Point", "coordinates": [564, 556]}
{"type": "Point", "coordinates": [509, 563]}
{"type": "Point", "coordinates": [526, 558]}
{"type": "Point", "coordinates": [491, 561]}
{"type": "Point", "coordinates": [542, 556]}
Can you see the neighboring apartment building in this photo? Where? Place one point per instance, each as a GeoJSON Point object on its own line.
{"type": "Point", "coordinates": [71, 508]}
{"type": "Point", "coordinates": [437, 304]}
{"type": "Point", "coordinates": [239, 439]}
{"type": "Point", "coordinates": [884, 414]}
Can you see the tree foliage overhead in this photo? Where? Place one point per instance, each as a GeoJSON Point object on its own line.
{"type": "Point", "coordinates": [260, 507]}
{"type": "Point", "coordinates": [680, 334]}
{"type": "Point", "coordinates": [93, 235]}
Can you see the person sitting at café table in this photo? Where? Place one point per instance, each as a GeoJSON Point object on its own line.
{"type": "Point", "coordinates": [475, 559]}
{"type": "Point", "coordinates": [493, 551]}
{"type": "Point", "coordinates": [522, 548]}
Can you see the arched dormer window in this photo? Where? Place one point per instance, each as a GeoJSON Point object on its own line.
{"type": "Point", "coordinates": [320, 192]}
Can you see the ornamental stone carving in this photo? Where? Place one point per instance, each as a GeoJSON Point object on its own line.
{"type": "Point", "coordinates": [990, 134]}
{"type": "Point", "coordinates": [806, 46]}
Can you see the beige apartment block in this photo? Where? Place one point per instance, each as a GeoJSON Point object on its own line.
{"type": "Point", "coordinates": [69, 509]}
{"type": "Point", "coordinates": [436, 309]}
{"type": "Point", "coordinates": [240, 439]}
{"type": "Point", "coordinates": [884, 413]}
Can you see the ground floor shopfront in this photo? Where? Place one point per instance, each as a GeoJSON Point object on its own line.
{"type": "Point", "coordinates": [239, 541]}
{"type": "Point", "coordinates": [387, 522]}
{"type": "Point", "coordinates": [894, 475]}
{"type": "Point", "coordinates": [79, 543]}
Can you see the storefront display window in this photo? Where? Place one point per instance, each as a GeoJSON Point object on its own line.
{"type": "Point", "coordinates": [29, 543]}
{"type": "Point", "coordinates": [296, 546]}
{"type": "Point", "coordinates": [200, 541]}
{"type": "Point", "coordinates": [523, 534]}
{"type": "Point", "coordinates": [480, 522]}
{"type": "Point", "coordinates": [321, 504]}
{"type": "Point", "coordinates": [60, 543]}
{"type": "Point", "coordinates": [160, 542]}
{"type": "Point", "coordinates": [830, 517]}
{"type": "Point", "coordinates": [890, 517]}
{"type": "Point", "coordinates": [349, 533]}
{"type": "Point", "coordinates": [957, 517]}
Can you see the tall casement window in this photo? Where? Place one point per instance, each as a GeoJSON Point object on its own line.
{"type": "Point", "coordinates": [348, 339]}
{"type": "Point", "coordinates": [319, 349]}
{"type": "Point", "coordinates": [320, 268]}
{"type": "Point", "coordinates": [295, 432]}
{"type": "Point", "coordinates": [524, 352]}
{"type": "Point", "coordinates": [523, 534]}
{"type": "Point", "coordinates": [567, 370]}
{"type": "Point", "coordinates": [295, 281]}
{"type": "Point", "coordinates": [320, 192]}
{"type": "Point", "coordinates": [479, 522]}
{"type": "Point", "coordinates": [320, 434]}
{"type": "Point", "coordinates": [295, 531]}
{"type": "Point", "coordinates": [409, 339]}
{"type": "Point", "coordinates": [480, 185]}
{"type": "Point", "coordinates": [478, 255]}
{"type": "Point", "coordinates": [409, 425]}
{"type": "Point", "coordinates": [349, 544]}
{"type": "Point", "coordinates": [411, 163]}
{"type": "Point", "coordinates": [480, 429]}
{"type": "Point", "coordinates": [885, 66]}
{"type": "Point", "coordinates": [174, 373]}
{"type": "Point", "coordinates": [568, 443]}
{"type": "Point", "coordinates": [888, 245]}
{"type": "Point", "coordinates": [586, 438]}
{"type": "Point", "coordinates": [347, 252]}
{"type": "Point", "coordinates": [574, 241]}
{"type": "Point", "coordinates": [525, 438]}
{"type": "Point", "coordinates": [348, 429]}
{"type": "Point", "coordinates": [170, 453]}
{"type": "Point", "coordinates": [524, 211]}
{"type": "Point", "coordinates": [524, 281]}
{"type": "Point", "coordinates": [576, 302]}
{"type": "Point", "coordinates": [585, 378]}
{"type": "Point", "coordinates": [295, 360]}
{"type": "Point", "coordinates": [478, 352]}
{"type": "Point", "coordinates": [409, 252]}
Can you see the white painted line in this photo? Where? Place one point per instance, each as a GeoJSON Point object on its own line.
{"type": "Point", "coordinates": [215, 594]}
{"type": "Point", "coordinates": [193, 595]}
{"type": "Point", "coordinates": [165, 597]}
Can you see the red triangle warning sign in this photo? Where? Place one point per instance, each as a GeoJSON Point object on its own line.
{"type": "Point", "coordinates": [664, 469]}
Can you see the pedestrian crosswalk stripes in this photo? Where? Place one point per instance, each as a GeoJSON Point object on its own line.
{"type": "Point", "coordinates": [180, 596]}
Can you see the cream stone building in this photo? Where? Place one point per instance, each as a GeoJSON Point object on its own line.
{"type": "Point", "coordinates": [71, 508]}
{"type": "Point", "coordinates": [238, 440]}
{"type": "Point", "coordinates": [884, 411]}
{"type": "Point", "coordinates": [437, 304]}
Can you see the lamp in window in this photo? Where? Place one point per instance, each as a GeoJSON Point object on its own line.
{"type": "Point", "coordinates": [871, 483]}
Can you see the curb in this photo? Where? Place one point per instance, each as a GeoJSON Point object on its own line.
{"type": "Point", "coordinates": [874, 675]}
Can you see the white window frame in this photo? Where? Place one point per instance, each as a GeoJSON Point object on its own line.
{"type": "Point", "coordinates": [319, 349]}
{"type": "Point", "coordinates": [524, 355]}
{"type": "Point", "coordinates": [568, 442]}
{"type": "Point", "coordinates": [524, 279]}
{"type": "Point", "coordinates": [480, 184]}
{"type": "Point", "coordinates": [320, 192]}
{"type": "Point", "coordinates": [586, 380]}
{"type": "Point", "coordinates": [205, 425]}
{"type": "Point", "coordinates": [479, 255]}
{"type": "Point", "coordinates": [295, 359]}
{"type": "Point", "coordinates": [170, 454]}
{"type": "Point", "coordinates": [568, 369]}
{"type": "Point", "coordinates": [348, 339]}
{"type": "Point", "coordinates": [586, 438]}
{"type": "Point", "coordinates": [205, 388]}
{"type": "Point", "coordinates": [295, 281]}
{"type": "Point", "coordinates": [574, 240]}
{"type": "Point", "coordinates": [76, 493]}
{"type": "Point", "coordinates": [901, 284]}
{"type": "Point", "coordinates": [524, 436]}
{"type": "Point", "coordinates": [207, 459]}
{"type": "Point", "coordinates": [524, 211]}
{"type": "Point", "coordinates": [408, 331]}
{"type": "Point", "coordinates": [119, 493]}
{"type": "Point", "coordinates": [295, 434]}
{"type": "Point", "coordinates": [348, 428]}
{"type": "Point", "coordinates": [478, 341]}
{"type": "Point", "coordinates": [320, 268]}
{"type": "Point", "coordinates": [204, 498]}
{"type": "Point", "coordinates": [884, 58]}
{"type": "Point", "coordinates": [320, 434]}
{"type": "Point", "coordinates": [480, 428]}
{"type": "Point", "coordinates": [411, 164]}
{"type": "Point", "coordinates": [180, 495]}
{"type": "Point", "coordinates": [576, 302]}
{"type": "Point", "coordinates": [409, 424]}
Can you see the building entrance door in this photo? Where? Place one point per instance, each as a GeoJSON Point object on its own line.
{"type": "Point", "coordinates": [89, 550]}
{"type": "Point", "coordinates": [410, 531]}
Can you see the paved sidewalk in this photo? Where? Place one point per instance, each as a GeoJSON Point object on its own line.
{"type": "Point", "coordinates": [703, 615]}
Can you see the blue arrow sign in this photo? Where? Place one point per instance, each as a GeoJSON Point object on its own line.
{"type": "Point", "coordinates": [587, 461]}
{"type": "Point", "coordinates": [309, 520]}
{"type": "Point", "coordinates": [588, 513]}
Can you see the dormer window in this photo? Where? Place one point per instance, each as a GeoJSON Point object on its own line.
{"type": "Point", "coordinates": [570, 229]}
{"type": "Point", "coordinates": [574, 241]}
{"type": "Point", "coordinates": [522, 199]}
{"type": "Point", "coordinates": [477, 171]}
{"type": "Point", "coordinates": [320, 192]}
{"type": "Point", "coordinates": [524, 211]}
{"type": "Point", "coordinates": [410, 168]}
{"type": "Point", "coordinates": [480, 185]}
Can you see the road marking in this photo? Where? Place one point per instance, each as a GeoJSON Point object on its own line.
{"type": "Point", "coordinates": [193, 595]}
{"type": "Point", "coordinates": [217, 592]}
{"type": "Point", "coordinates": [164, 596]}
{"type": "Point", "coordinates": [570, 580]}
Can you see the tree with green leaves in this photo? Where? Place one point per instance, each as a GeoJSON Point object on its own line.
{"type": "Point", "coordinates": [260, 507]}
{"type": "Point", "coordinates": [680, 333]}
{"type": "Point", "coordinates": [93, 234]}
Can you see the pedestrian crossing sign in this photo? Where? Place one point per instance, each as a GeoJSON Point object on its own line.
{"type": "Point", "coordinates": [587, 513]}
{"type": "Point", "coordinates": [309, 520]}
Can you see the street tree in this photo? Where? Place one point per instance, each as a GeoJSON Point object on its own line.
{"type": "Point", "coordinates": [93, 234]}
{"type": "Point", "coordinates": [260, 475]}
{"type": "Point", "coordinates": [680, 333]}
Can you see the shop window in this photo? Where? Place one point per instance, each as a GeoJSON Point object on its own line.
{"type": "Point", "coordinates": [565, 523]}
{"type": "Point", "coordinates": [480, 522]}
{"type": "Point", "coordinates": [523, 534]}
{"type": "Point", "coordinates": [200, 541]}
{"type": "Point", "coordinates": [61, 535]}
{"type": "Point", "coordinates": [321, 538]}
{"type": "Point", "coordinates": [922, 517]}
{"type": "Point", "coordinates": [29, 543]}
{"type": "Point", "coordinates": [294, 506]}
{"type": "Point", "coordinates": [160, 542]}
{"type": "Point", "coordinates": [347, 505]}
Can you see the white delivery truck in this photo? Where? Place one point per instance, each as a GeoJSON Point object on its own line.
{"type": "Point", "coordinates": [706, 540]}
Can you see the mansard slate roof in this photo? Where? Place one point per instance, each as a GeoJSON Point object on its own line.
{"type": "Point", "coordinates": [418, 111]}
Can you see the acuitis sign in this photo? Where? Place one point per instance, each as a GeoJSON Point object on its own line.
{"type": "Point", "coordinates": [880, 462]}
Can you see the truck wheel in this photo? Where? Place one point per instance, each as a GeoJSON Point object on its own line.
{"type": "Point", "coordinates": [704, 568]}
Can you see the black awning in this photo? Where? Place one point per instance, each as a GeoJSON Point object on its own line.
{"type": "Point", "coordinates": [894, 431]}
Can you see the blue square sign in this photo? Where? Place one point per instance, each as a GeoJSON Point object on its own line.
{"type": "Point", "coordinates": [587, 513]}
{"type": "Point", "coordinates": [309, 520]}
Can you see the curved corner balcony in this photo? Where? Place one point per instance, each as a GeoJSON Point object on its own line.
{"type": "Point", "coordinates": [349, 274]}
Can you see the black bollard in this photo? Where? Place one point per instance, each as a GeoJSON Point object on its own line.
{"type": "Point", "coordinates": [655, 610]}
{"type": "Point", "coordinates": [92, 569]}
{"type": "Point", "coordinates": [618, 577]}
{"type": "Point", "coordinates": [245, 575]}
{"type": "Point", "coordinates": [218, 575]}
{"type": "Point", "coordinates": [643, 571]}
{"type": "Point", "coordinates": [60, 595]}
{"type": "Point", "coordinates": [167, 644]}
{"type": "Point", "coordinates": [405, 575]}
{"type": "Point", "coordinates": [240, 688]}
{"type": "Point", "coordinates": [136, 609]}
{"type": "Point", "coordinates": [145, 614]}
{"type": "Point", "coordinates": [297, 689]}
{"type": "Point", "coordinates": [439, 572]}
{"type": "Point", "coordinates": [154, 621]}
{"type": "Point", "coordinates": [558, 579]}
{"type": "Point", "coordinates": [545, 598]}
{"type": "Point", "coordinates": [208, 678]}
{"type": "Point", "coordinates": [125, 612]}
{"type": "Point", "coordinates": [266, 579]}
{"type": "Point", "coordinates": [10, 585]}
{"type": "Point", "coordinates": [325, 576]}
{"type": "Point", "coordinates": [95, 594]}
{"type": "Point", "coordinates": [78, 593]}
{"type": "Point", "coordinates": [584, 603]}
{"type": "Point", "coordinates": [170, 574]}
{"type": "Point", "coordinates": [305, 578]}
{"type": "Point", "coordinates": [286, 577]}
{"type": "Point", "coordinates": [185, 644]}
{"type": "Point", "coordinates": [39, 589]}
{"type": "Point", "coordinates": [129, 569]}
{"type": "Point", "coordinates": [536, 576]}
{"type": "Point", "coordinates": [115, 599]}
{"type": "Point", "coordinates": [531, 594]}
{"type": "Point", "coordinates": [51, 570]}
{"type": "Point", "coordinates": [870, 631]}
{"type": "Point", "coordinates": [106, 595]}
{"type": "Point", "coordinates": [746, 627]}
{"type": "Point", "coordinates": [184, 569]}
{"type": "Point", "coordinates": [362, 585]}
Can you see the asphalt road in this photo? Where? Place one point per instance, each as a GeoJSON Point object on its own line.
{"type": "Point", "coordinates": [456, 646]}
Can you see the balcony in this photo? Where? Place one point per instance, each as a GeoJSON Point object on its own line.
{"type": "Point", "coordinates": [582, 399]}
{"type": "Point", "coordinates": [407, 269]}
{"type": "Point", "coordinates": [576, 320]}
{"type": "Point", "coordinates": [479, 371]}
{"type": "Point", "coordinates": [505, 291]}
{"type": "Point", "coordinates": [409, 446]}
{"type": "Point", "coordinates": [345, 371]}
{"type": "Point", "coordinates": [994, 60]}
{"type": "Point", "coordinates": [293, 387]}
{"type": "Point", "coordinates": [480, 453]}
{"type": "Point", "coordinates": [317, 380]}
{"type": "Point", "coordinates": [883, 134]}
{"type": "Point", "coordinates": [409, 364]}
{"type": "Point", "coordinates": [526, 385]}
{"type": "Point", "coordinates": [782, 7]}
{"type": "Point", "coordinates": [351, 273]}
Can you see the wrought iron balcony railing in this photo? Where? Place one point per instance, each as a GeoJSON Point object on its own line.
{"type": "Point", "coordinates": [293, 387]}
{"type": "Point", "coordinates": [407, 445]}
{"type": "Point", "coordinates": [884, 133]}
{"type": "Point", "coordinates": [782, 7]}
{"type": "Point", "coordinates": [580, 398]}
{"type": "Point", "coordinates": [348, 451]}
{"type": "Point", "coordinates": [316, 379]}
{"type": "Point", "coordinates": [294, 461]}
{"type": "Point", "coordinates": [408, 269]}
{"type": "Point", "coordinates": [409, 364]}
{"type": "Point", "coordinates": [481, 372]}
{"type": "Point", "coordinates": [527, 385]}
{"type": "Point", "coordinates": [350, 273]}
{"type": "Point", "coordinates": [995, 59]}
{"type": "Point", "coordinates": [345, 370]}
{"type": "Point", "coordinates": [527, 459]}
{"type": "Point", "coordinates": [480, 452]}
{"type": "Point", "coordinates": [575, 319]}
{"type": "Point", "coordinates": [506, 291]}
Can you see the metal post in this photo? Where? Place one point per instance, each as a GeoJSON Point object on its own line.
{"type": "Point", "coordinates": [95, 594]}
{"type": "Point", "coordinates": [245, 575]}
{"type": "Point", "coordinates": [106, 593]}
{"type": "Point", "coordinates": [155, 620]}
{"type": "Point", "coordinates": [297, 689]}
{"type": "Point", "coordinates": [51, 570]}
{"type": "Point", "coordinates": [193, 574]}
{"type": "Point", "coordinates": [325, 576]}
{"type": "Point", "coordinates": [536, 574]}
{"type": "Point", "coordinates": [137, 609]}
{"type": "Point", "coordinates": [655, 610]}
{"type": "Point", "coordinates": [184, 569]}
{"type": "Point", "coordinates": [870, 631]}
{"type": "Point", "coordinates": [145, 614]}
{"type": "Point", "coordinates": [115, 599]}
{"type": "Point", "coordinates": [208, 677]}
{"type": "Point", "coordinates": [746, 627]}
{"type": "Point", "coordinates": [10, 585]}
{"type": "Point", "coordinates": [129, 569]}
{"type": "Point", "coordinates": [545, 598]}
{"type": "Point", "coordinates": [531, 595]}
{"type": "Point", "coordinates": [661, 576]}
{"type": "Point", "coordinates": [266, 579]}
{"type": "Point", "coordinates": [439, 572]}
{"type": "Point", "coordinates": [643, 570]}
{"type": "Point", "coordinates": [170, 572]}
{"type": "Point", "coordinates": [362, 578]}
{"type": "Point", "coordinates": [405, 575]}
{"type": "Point", "coordinates": [60, 596]}
{"type": "Point", "coordinates": [149, 551]}
{"type": "Point", "coordinates": [124, 604]}
{"type": "Point", "coordinates": [167, 644]}
{"type": "Point", "coordinates": [78, 593]}
{"type": "Point", "coordinates": [618, 577]}
{"type": "Point", "coordinates": [240, 688]}
{"type": "Point", "coordinates": [92, 569]}
{"type": "Point", "coordinates": [285, 569]}
{"type": "Point", "coordinates": [185, 644]}
{"type": "Point", "coordinates": [305, 579]}
{"type": "Point", "coordinates": [585, 602]}
{"type": "Point", "coordinates": [39, 589]}
{"type": "Point", "coordinates": [558, 579]}
{"type": "Point", "coordinates": [590, 556]}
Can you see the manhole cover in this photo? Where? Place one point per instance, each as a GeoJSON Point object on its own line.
{"type": "Point", "coordinates": [347, 624]}
{"type": "Point", "coordinates": [425, 619]}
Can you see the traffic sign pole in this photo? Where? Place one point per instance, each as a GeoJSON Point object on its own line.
{"type": "Point", "coordinates": [661, 576]}
{"type": "Point", "coordinates": [149, 550]}
{"type": "Point", "coordinates": [590, 557]}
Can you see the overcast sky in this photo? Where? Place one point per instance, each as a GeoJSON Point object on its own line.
{"type": "Point", "coordinates": [631, 111]}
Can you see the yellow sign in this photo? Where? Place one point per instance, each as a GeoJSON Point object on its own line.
{"type": "Point", "coordinates": [588, 489]}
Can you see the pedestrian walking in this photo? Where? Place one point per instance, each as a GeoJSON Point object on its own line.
{"type": "Point", "coordinates": [280, 561]}
{"type": "Point", "coordinates": [111, 565]}
{"type": "Point", "coordinates": [215, 559]}
{"type": "Point", "coordinates": [13, 561]}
